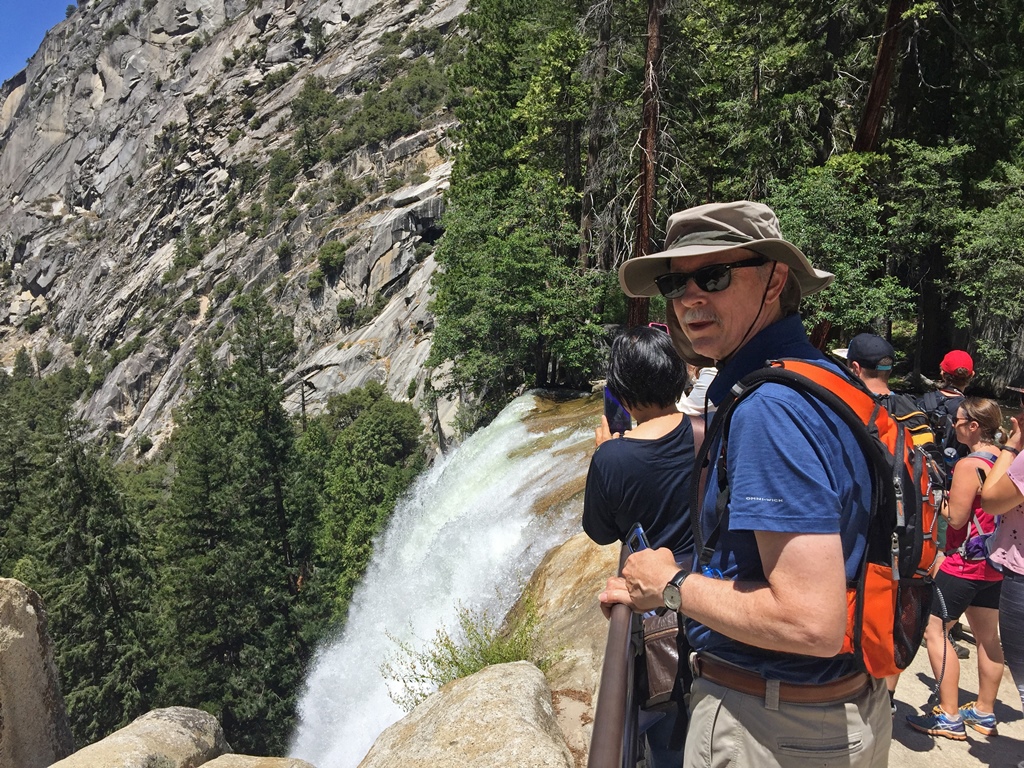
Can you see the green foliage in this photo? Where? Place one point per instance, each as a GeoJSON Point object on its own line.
{"type": "Point", "coordinates": [315, 283]}
{"type": "Point", "coordinates": [230, 597]}
{"type": "Point", "coordinates": [116, 31]}
{"type": "Point", "coordinates": [835, 219]}
{"type": "Point", "coordinates": [32, 323]}
{"type": "Point", "coordinates": [376, 456]}
{"type": "Point", "coordinates": [331, 257]}
{"type": "Point", "coordinates": [79, 345]}
{"type": "Point", "coordinates": [384, 115]}
{"type": "Point", "coordinates": [478, 643]}
{"type": "Point", "coordinates": [988, 268]}
{"type": "Point", "coordinates": [282, 167]}
{"type": "Point", "coordinates": [313, 112]}
{"type": "Point", "coordinates": [279, 77]}
{"type": "Point", "coordinates": [189, 249]}
{"type": "Point", "coordinates": [43, 359]}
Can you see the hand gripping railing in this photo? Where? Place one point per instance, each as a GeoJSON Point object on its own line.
{"type": "Point", "coordinates": [613, 743]}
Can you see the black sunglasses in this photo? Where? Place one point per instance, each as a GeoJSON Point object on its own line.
{"type": "Point", "coordinates": [710, 279]}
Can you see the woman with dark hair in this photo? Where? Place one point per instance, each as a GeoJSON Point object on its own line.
{"type": "Point", "coordinates": [966, 584]}
{"type": "Point", "coordinates": [1003, 497]}
{"type": "Point", "coordinates": [643, 476]}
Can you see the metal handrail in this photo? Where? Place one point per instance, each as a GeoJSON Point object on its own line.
{"type": "Point", "coordinates": [613, 743]}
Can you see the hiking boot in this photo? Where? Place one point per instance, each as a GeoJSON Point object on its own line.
{"type": "Point", "coordinates": [982, 723]}
{"type": "Point", "coordinates": [938, 723]}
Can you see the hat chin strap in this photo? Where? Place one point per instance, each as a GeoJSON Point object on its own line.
{"type": "Point", "coordinates": [750, 328]}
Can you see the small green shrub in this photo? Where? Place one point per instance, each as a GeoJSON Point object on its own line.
{"type": "Point", "coordinates": [279, 77]}
{"type": "Point", "coordinates": [116, 31]}
{"type": "Point", "coordinates": [346, 312]}
{"type": "Point", "coordinates": [366, 314]}
{"type": "Point", "coordinates": [479, 643]}
{"type": "Point", "coordinates": [315, 284]}
{"type": "Point", "coordinates": [143, 445]}
{"type": "Point", "coordinates": [331, 257]}
{"type": "Point", "coordinates": [32, 323]}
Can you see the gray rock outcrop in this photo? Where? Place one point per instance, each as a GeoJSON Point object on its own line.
{"type": "Point", "coordinates": [248, 761]}
{"type": "Point", "coordinates": [34, 730]}
{"type": "Point", "coordinates": [176, 737]}
{"type": "Point", "coordinates": [573, 631]}
{"type": "Point", "coordinates": [135, 157]}
{"type": "Point", "coordinates": [501, 716]}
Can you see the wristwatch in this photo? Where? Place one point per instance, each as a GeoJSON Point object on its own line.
{"type": "Point", "coordinates": [670, 595]}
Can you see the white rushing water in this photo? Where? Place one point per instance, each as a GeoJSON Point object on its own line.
{"type": "Point", "coordinates": [464, 535]}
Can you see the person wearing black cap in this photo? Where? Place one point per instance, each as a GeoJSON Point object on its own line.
{"type": "Point", "coordinates": [871, 358]}
{"type": "Point", "coordinates": [767, 616]}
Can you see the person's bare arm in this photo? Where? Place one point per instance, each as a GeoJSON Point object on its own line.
{"type": "Point", "coordinates": [962, 490]}
{"type": "Point", "coordinates": [801, 608]}
{"type": "Point", "coordinates": [1000, 494]}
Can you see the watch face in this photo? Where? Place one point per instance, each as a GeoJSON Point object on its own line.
{"type": "Point", "coordinates": [671, 597]}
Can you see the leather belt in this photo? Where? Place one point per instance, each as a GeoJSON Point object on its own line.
{"type": "Point", "coordinates": [744, 681]}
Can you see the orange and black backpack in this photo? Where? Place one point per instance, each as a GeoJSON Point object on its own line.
{"type": "Point", "coordinates": [889, 601]}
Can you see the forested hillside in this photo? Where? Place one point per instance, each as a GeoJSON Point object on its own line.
{"type": "Point", "coordinates": [268, 231]}
{"type": "Point", "coordinates": [895, 166]}
{"type": "Point", "coordinates": [206, 576]}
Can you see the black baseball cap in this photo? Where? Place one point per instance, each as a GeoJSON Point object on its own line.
{"type": "Point", "coordinates": [871, 351]}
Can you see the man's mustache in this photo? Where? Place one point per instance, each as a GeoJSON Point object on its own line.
{"type": "Point", "coordinates": [699, 315]}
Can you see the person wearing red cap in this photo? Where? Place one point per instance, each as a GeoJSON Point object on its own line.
{"type": "Point", "coordinates": [957, 369]}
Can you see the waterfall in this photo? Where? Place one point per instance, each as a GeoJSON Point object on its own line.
{"type": "Point", "coordinates": [466, 534]}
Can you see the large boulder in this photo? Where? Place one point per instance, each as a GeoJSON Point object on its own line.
{"type": "Point", "coordinates": [501, 716]}
{"type": "Point", "coordinates": [248, 761]}
{"type": "Point", "coordinates": [176, 737]}
{"type": "Point", "coordinates": [34, 730]}
{"type": "Point", "coordinates": [573, 631]}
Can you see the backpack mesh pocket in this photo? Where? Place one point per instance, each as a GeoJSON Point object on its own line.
{"type": "Point", "coordinates": [913, 607]}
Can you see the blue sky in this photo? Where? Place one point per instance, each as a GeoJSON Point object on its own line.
{"type": "Point", "coordinates": [22, 26]}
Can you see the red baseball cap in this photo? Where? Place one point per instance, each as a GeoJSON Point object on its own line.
{"type": "Point", "coordinates": [955, 360]}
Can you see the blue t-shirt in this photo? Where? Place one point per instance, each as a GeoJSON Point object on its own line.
{"type": "Point", "coordinates": [794, 467]}
{"type": "Point", "coordinates": [642, 480]}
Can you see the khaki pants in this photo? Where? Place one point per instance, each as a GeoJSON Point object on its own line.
{"type": "Point", "coordinates": [728, 728]}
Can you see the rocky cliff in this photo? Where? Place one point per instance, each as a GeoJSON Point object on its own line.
{"type": "Point", "coordinates": [149, 172]}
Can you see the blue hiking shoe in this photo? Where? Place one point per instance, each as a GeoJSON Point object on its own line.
{"type": "Point", "coordinates": [938, 723]}
{"type": "Point", "coordinates": [982, 723]}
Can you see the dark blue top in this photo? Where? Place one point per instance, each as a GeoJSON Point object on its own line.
{"type": "Point", "coordinates": [794, 467]}
{"type": "Point", "coordinates": [642, 480]}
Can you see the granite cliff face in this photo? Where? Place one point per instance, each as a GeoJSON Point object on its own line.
{"type": "Point", "coordinates": [136, 150]}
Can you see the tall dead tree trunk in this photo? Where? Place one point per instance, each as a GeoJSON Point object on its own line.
{"type": "Point", "coordinates": [595, 133]}
{"type": "Point", "coordinates": [878, 92]}
{"type": "Point", "coordinates": [638, 311]}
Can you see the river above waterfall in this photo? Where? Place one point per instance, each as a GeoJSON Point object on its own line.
{"type": "Point", "coordinates": [468, 534]}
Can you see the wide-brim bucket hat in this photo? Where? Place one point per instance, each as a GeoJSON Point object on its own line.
{"type": "Point", "coordinates": [712, 228]}
{"type": "Point", "coordinates": [716, 227]}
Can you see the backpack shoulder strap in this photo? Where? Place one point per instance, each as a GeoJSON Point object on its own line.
{"type": "Point", "coordinates": [987, 456]}
{"type": "Point", "coordinates": [849, 399]}
{"type": "Point", "coordinates": [698, 426]}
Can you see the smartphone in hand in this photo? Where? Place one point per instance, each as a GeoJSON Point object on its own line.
{"type": "Point", "coordinates": [618, 417]}
{"type": "Point", "coordinates": [637, 539]}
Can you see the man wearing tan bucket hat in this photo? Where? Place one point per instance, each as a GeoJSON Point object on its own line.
{"type": "Point", "coordinates": [767, 616]}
